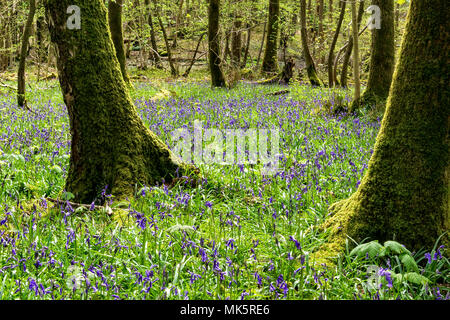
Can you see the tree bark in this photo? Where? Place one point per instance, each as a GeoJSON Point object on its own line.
{"type": "Point", "coordinates": [262, 44]}
{"type": "Point", "coordinates": [236, 42]}
{"type": "Point", "coordinates": [310, 66]}
{"type": "Point", "coordinates": [110, 147]}
{"type": "Point", "coordinates": [247, 46]}
{"type": "Point", "coordinates": [21, 101]}
{"type": "Point", "coordinates": [349, 50]}
{"type": "Point", "coordinates": [217, 77]}
{"type": "Point", "coordinates": [333, 45]}
{"type": "Point", "coordinates": [382, 58]}
{"type": "Point", "coordinates": [115, 26]}
{"type": "Point", "coordinates": [356, 75]}
{"type": "Point", "coordinates": [188, 70]}
{"type": "Point", "coordinates": [155, 52]}
{"type": "Point", "coordinates": [270, 59]}
{"type": "Point", "coordinates": [177, 24]}
{"type": "Point", "coordinates": [404, 193]}
{"type": "Point", "coordinates": [173, 69]}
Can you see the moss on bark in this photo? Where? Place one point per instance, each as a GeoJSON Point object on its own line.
{"type": "Point", "coordinates": [115, 26]}
{"type": "Point", "coordinates": [404, 194]}
{"type": "Point", "coordinates": [382, 59]}
{"type": "Point", "coordinates": [270, 59]}
{"type": "Point", "coordinates": [310, 66]}
{"type": "Point", "coordinates": [110, 146]}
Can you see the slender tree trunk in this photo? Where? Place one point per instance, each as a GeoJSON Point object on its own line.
{"type": "Point", "coordinates": [333, 45]}
{"type": "Point", "coordinates": [310, 66]}
{"type": "Point", "coordinates": [5, 43]}
{"type": "Point", "coordinates": [115, 26]}
{"type": "Point", "coordinates": [173, 69]}
{"type": "Point", "coordinates": [330, 11]}
{"type": "Point", "coordinates": [21, 101]}
{"type": "Point", "coordinates": [155, 52]}
{"type": "Point", "coordinates": [320, 16]}
{"type": "Point", "coordinates": [226, 49]}
{"type": "Point", "coordinates": [349, 50]}
{"type": "Point", "coordinates": [217, 77]}
{"type": "Point", "coordinates": [262, 44]}
{"type": "Point", "coordinates": [177, 24]}
{"type": "Point", "coordinates": [382, 58]}
{"type": "Point", "coordinates": [111, 146]}
{"type": "Point", "coordinates": [356, 78]}
{"type": "Point", "coordinates": [404, 193]}
{"type": "Point", "coordinates": [247, 46]}
{"type": "Point", "coordinates": [188, 70]}
{"type": "Point", "coordinates": [236, 41]}
{"type": "Point", "coordinates": [270, 60]}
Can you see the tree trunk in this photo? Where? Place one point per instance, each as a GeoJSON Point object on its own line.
{"type": "Point", "coordinates": [333, 45]}
{"type": "Point", "coordinates": [177, 24]}
{"type": "Point", "coordinates": [21, 101]}
{"type": "Point", "coordinates": [270, 59]}
{"type": "Point", "coordinates": [115, 27]}
{"type": "Point", "coordinates": [111, 147]}
{"type": "Point", "coordinates": [262, 44]}
{"type": "Point", "coordinates": [356, 78]}
{"type": "Point", "coordinates": [310, 66]}
{"type": "Point", "coordinates": [404, 193]}
{"type": "Point", "coordinates": [173, 69]}
{"type": "Point", "coordinates": [155, 52]}
{"type": "Point", "coordinates": [217, 77]}
{"type": "Point", "coordinates": [188, 70]}
{"type": "Point", "coordinates": [320, 15]}
{"type": "Point", "coordinates": [247, 46]}
{"type": "Point", "coordinates": [382, 58]}
{"type": "Point", "coordinates": [236, 42]}
{"type": "Point", "coordinates": [349, 50]}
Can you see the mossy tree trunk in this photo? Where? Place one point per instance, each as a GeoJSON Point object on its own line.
{"type": "Point", "coordinates": [217, 77]}
{"type": "Point", "coordinates": [270, 59]}
{"type": "Point", "coordinates": [236, 41]}
{"type": "Point", "coordinates": [115, 26]}
{"type": "Point", "coordinates": [404, 193]}
{"type": "Point", "coordinates": [382, 58]}
{"type": "Point", "coordinates": [110, 145]}
{"type": "Point", "coordinates": [310, 65]}
{"type": "Point", "coordinates": [21, 101]}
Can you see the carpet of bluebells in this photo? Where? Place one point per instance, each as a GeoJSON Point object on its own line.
{"type": "Point", "coordinates": [239, 234]}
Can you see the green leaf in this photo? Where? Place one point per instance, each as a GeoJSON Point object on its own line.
{"type": "Point", "coordinates": [67, 196]}
{"type": "Point", "coordinates": [372, 248]}
{"type": "Point", "coordinates": [409, 262]}
{"type": "Point", "coordinates": [178, 227]}
{"type": "Point", "coordinates": [415, 278]}
{"type": "Point", "coordinates": [395, 248]}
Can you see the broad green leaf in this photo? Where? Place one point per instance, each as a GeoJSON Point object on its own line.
{"type": "Point", "coordinates": [372, 248]}
{"type": "Point", "coordinates": [409, 262]}
{"type": "Point", "coordinates": [395, 248]}
{"type": "Point", "coordinates": [415, 278]}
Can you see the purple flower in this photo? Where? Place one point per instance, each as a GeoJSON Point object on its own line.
{"type": "Point", "coordinates": [387, 275]}
{"type": "Point", "coordinates": [297, 244]}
